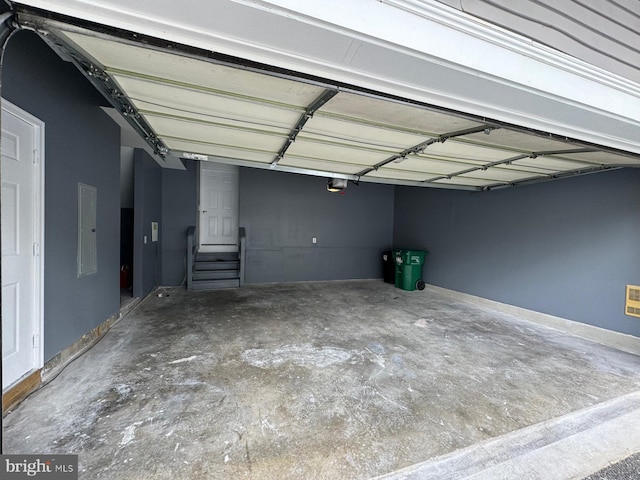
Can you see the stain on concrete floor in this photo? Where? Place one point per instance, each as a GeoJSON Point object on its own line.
{"type": "Point", "coordinates": [310, 380]}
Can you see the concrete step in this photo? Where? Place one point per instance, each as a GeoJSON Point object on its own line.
{"type": "Point", "coordinates": [217, 265]}
{"type": "Point", "coordinates": [215, 274]}
{"type": "Point", "coordinates": [215, 284]}
{"type": "Point", "coordinates": [569, 447]}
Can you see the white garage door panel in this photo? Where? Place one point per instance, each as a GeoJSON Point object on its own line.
{"type": "Point", "coordinates": [220, 151]}
{"type": "Point", "coordinates": [215, 134]}
{"type": "Point", "coordinates": [437, 167]}
{"type": "Point", "coordinates": [321, 165]}
{"type": "Point", "coordinates": [322, 151]}
{"type": "Point", "coordinates": [553, 164]}
{"type": "Point", "coordinates": [342, 130]}
{"type": "Point", "coordinates": [497, 175]}
{"type": "Point", "coordinates": [249, 115]}
{"type": "Point", "coordinates": [149, 94]}
{"type": "Point", "coordinates": [467, 182]}
{"type": "Point", "coordinates": [401, 175]}
{"type": "Point", "coordinates": [398, 115]}
{"type": "Point", "coordinates": [456, 150]}
{"type": "Point", "coordinates": [603, 158]}
{"type": "Point", "coordinates": [517, 140]}
{"type": "Point", "coordinates": [178, 68]}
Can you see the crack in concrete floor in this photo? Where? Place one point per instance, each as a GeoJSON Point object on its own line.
{"type": "Point", "coordinates": [310, 380]}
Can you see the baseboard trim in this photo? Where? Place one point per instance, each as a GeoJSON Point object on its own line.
{"type": "Point", "coordinates": [39, 378]}
{"type": "Point", "coordinates": [85, 342]}
{"type": "Point", "coordinates": [32, 382]}
{"type": "Point", "coordinates": [610, 338]}
{"type": "Point", "coordinates": [21, 390]}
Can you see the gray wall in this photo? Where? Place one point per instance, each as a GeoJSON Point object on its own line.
{"type": "Point", "coordinates": [179, 204]}
{"type": "Point", "coordinates": [566, 248]}
{"type": "Point", "coordinates": [147, 199]}
{"type": "Point", "coordinates": [82, 145]}
{"type": "Point", "coordinates": [282, 212]}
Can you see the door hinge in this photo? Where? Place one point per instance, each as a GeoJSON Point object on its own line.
{"type": "Point", "coordinates": [36, 156]}
{"type": "Point", "coordinates": [36, 340]}
{"type": "Point", "coordinates": [36, 249]}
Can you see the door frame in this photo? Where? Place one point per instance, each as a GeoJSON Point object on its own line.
{"type": "Point", "coordinates": [38, 227]}
{"type": "Point", "coordinates": [203, 165]}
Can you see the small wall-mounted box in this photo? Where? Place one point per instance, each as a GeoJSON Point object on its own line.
{"type": "Point", "coordinates": [154, 231]}
{"type": "Point", "coordinates": [632, 305]}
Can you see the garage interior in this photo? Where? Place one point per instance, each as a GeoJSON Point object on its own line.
{"type": "Point", "coordinates": [523, 346]}
{"type": "Point", "coordinates": [347, 379]}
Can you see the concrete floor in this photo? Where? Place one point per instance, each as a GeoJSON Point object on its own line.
{"type": "Point", "coordinates": [320, 380]}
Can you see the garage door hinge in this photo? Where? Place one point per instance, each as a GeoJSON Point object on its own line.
{"type": "Point", "coordinates": [36, 249]}
{"type": "Point", "coordinates": [36, 341]}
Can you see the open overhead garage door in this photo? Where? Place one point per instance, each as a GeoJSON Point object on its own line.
{"type": "Point", "coordinates": [191, 103]}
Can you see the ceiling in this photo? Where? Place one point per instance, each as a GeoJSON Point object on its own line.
{"type": "Point", "coordinates": [192, 106]}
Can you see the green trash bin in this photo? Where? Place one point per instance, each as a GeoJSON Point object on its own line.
{"type": "Point", "coordinates": [409, 269]}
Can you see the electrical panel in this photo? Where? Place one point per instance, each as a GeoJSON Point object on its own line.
{"type": "Point", "coordinates": [87, 226]}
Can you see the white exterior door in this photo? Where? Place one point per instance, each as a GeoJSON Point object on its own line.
{"type": "Point", "coordinates": [218, 215]}
{"type": "Point", "coordinates": [22, 194]}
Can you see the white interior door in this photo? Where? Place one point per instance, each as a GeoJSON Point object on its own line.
{"type": "Point", "coordinates": [22, 147]}
{"type": "Point", "coordinates": [218, 215]}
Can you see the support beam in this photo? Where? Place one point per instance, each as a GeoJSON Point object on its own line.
{"type": "Point", "coordinates": [422, 146]}
{"type": "Point", "coordinates": [315, 173]}
{"type": "Point", "coordinates": [475, 169]}
{"type": "Point", "coordinates": [556, 176]}
{"type": "Point", "coordinates": [510, 160]}
{"type": "Point", "coordinates": [308, 113]}
{"type": "Point", "coordinates": [563, 152]}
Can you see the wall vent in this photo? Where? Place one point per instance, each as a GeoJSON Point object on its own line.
{"type": "Point", "coordinates": [632, 306]}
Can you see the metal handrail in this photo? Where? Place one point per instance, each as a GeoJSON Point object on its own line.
{"type": "Point", "coordinates": [242, 240]}
{"type": "Point", "coordinates": [191, 254]}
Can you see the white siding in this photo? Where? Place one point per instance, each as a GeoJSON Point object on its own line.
{"type": "Point", "coordinates": [605, 33]}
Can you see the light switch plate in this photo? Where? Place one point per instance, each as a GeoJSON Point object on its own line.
{"type": "Point", "coordinates": [154, 231]}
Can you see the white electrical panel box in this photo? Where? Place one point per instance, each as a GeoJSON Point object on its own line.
{"type": "Point", "coordinates": [87, 220]}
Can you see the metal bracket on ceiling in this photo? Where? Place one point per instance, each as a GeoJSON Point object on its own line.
{"type": "Point", "coordinates": [486, 129]}
{"type": "Point", "coordinates": [421, 147]}
{"type": "Point", "coordinates": [7, 28]}
{"type": "Point", "coordinates": [105, 85]}
{"type": "Point", "coordinates": [99, 79]}
{"type": "Point", "coordinates": [304, 118]}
